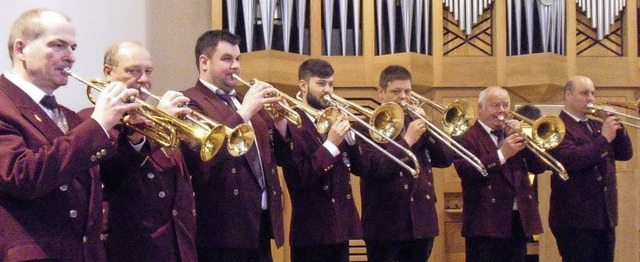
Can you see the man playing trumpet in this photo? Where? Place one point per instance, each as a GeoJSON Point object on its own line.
{"type": "Point", "coordinates": [149, 205]}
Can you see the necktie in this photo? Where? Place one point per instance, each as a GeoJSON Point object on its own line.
{"type": "Point", "coordinates": [499, 134]}
{"type": "Point", "coordinates": [252, 155]}
{"type": "Point", "coordinates": [585, 123]}
{"type": "Point", "coordinates": [49, 101]}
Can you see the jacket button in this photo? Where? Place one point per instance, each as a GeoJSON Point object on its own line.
{"type": "Point", "coordinates": [85, 239]}
{"type": "Point", "coordinates": [103, 237]}
{"type": "Point", "coordinates": [428, 197]}
{"type": "Point", "coordinates": [174, 212]}
{"type": "Point", "coordinates": [406, 186]}
{"type": "Point", "coordinates": [411, 199]}
{"type": "Point", "coordinates": [333, 200]}
{"type": "Point", "coordinates": [401, 174]}
{"type": "Point", "coordinates": [193, 212]}
{"type": "Point", "coordinates": [194, 194]}
{"type": "Point", "coordinates": [103, 152]}
{"type": "Point", "coordinates": [236, 192]}
{"type": "Point", "coordinates": [530, 197]}
{"type": "Point", "coordinates": [493, 200]}
{"type": "Point", "coordinates": [599, 178]}
{"type": "Point", "coordinates": [233, 170]}
{"type": "Point", "coordinates": [325, 188]}
{"type": "Point", "coordinates": [429, 183]}
{"type": "Point", "coordinates": [93, 158]}
{"type": "Point", "coordinates": [489, 187]}
{"type": "Point", "coordinates": [275, 193]}
{"type": "Point", "coordinates": [161, 194]}
{"type": "Point", "coordinates": [102, 185]}
{"type": "Point", "coordinates": [273, 171]}
{"type": "Point", "coordinates": [606, 189]}
{"type": "Point", "coordinates": [98, 155]}
{"type": "Point", "coordinates": [348, 196]}
{"type": "Point", "coordinates": [73, 213]}
{"type": "Point", "coordinates": [151, 175]}
{"type": "Point", "coordinates": [63, 188]}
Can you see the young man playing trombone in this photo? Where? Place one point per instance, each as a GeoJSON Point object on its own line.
{"type": "Point", "coordinates": [318, 174]}
{"type": "Point", "coordinates": [149, 205]}
{"type": "Point", "coordinates": [399, 216]}
{"type": "Point", "coordinates": [500, 209]}
{"type": "Point", "coordinates": [584, 209]}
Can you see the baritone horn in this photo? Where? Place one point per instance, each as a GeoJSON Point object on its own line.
{"type": "Point", "coordinates": [455, 117]}
{"type": "Point", "coordinates": [386, 123]}
{"type": "Point", "coordinates": [596, 107]}
{"type": "Point", "coordinates": [239, 139]}
{"type": "Point", "coordinates": [164, 132]}
{"type": "Point", "coordinates": [546, 133]}
{"type": "Point", "coordinates": [286, 112]}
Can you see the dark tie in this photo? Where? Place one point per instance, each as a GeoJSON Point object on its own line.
{"type": "Point", "coordinates": [586, 125]}
{"type": "Point", "coordinates": [499, 134]}
{"type": "Point", "coordinates": [49, 101]}
{"type": "Point", "coordinates": [252, 155]}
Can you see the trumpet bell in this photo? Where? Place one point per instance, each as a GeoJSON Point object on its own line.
{"type": "Point", "coordinates": [212, 142]}
{"type": "Point", "coordinates": [241, 139]}
{"type": "Point", "coordinates": [326, 119]}
{"type": "Point", "coordinates": [548, 131]}
{"type": "Point", "coordinates": [388, 119]}
{"type": "Point", "coordinates": [455, 120]}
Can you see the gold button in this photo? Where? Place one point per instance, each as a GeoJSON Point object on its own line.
{"type": "Point", "coordinates": [98, 155]}
{"type": "Point", "coordinates": [73, 213]}
{"type": "Point", "coordinates": [428, 197]}
{"type": "Point", "coordinates": [103, 152]}
{"type": "Point", "coordinates": [93, 158]}
{"type": "Point", "coordinates": [151, 175]}
{"type": "Point", "coordinates": [64, 188]}
{"type": "Point", "coordinates": [85, 239]}
{"type": "Point", "coordinates": [233, 170]}
{"type": "Point", "coordinates": [236, 192]}
{"type": "Point", "coordinates": [174, 212]}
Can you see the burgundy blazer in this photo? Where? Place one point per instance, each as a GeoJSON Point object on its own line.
{"type": "Point", "coordinates": [488, 201]}
{"type": "Point", "coordinates": [50, 195]}
{"type": "Point", "coordinates": [589, 198]}
{"type": "Point", "coordinates": [228, 196]}
{"type": "Point", "coordinates": [319, 184]}
{"type": "Point", "coordinates": [395, 205]}
{"type": "Point", "coordinates": [151, 204]}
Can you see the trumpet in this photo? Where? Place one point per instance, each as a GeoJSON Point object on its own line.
{"type": "Point", "coordinates": [286, 112]}
{"type": "Point", "coordinates": [447, 140]}
{"type": "Point", "coordinates": [546, 133]}
{"type": "Point", "coordinates": [239, 139]}
{"type": "Point", "coordinates": [386, 122]}
{"type": "Point", "coordinates": [455, 117]}
{"type": "Point", "coordinates": [164, 132]}
{"type": "Point", "coordinates": [596, 107]}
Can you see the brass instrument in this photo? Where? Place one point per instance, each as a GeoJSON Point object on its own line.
{"type": "Point", "coordinates": [239, 139]}
{"type": "Point", "coordinates": [324, 117]}
{"type": "Point", "coordinates": [596, 107]}
{"type": "Point", "coordinates": [546, 133]}
{"type": "Point", "coordinates": [286, 112]}
{"type": "Point", "coordinates": [450, 142]}
{"type": "Point", "coordinates": [455, 117]}
{"type": "Point", "coordinates": [386, 122]}
{"type": "Point", "coordinates": [164, 132]}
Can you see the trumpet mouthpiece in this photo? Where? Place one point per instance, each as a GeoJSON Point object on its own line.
{"type": "Point", "coordinates": [67, 71]}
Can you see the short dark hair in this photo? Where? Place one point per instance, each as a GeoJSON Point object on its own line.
{"type": "Point", "coordinates": [529, 111]}
{"type": "Point", "coordinates": [391, 73]}
{"type": "Point", "coordinates": [208, 41]}
{"type": "Point", "coordinates": [314, 67]}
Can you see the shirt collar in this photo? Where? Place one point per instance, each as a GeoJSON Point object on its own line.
{"type": "Point", "coordinates": [485, 127]}
{"type": "Point", "coordinates": [574, 117]}
{"type": "Point", "coordinates": [32, 90]}
{"type": "Point", "coordinates": [215, 89]}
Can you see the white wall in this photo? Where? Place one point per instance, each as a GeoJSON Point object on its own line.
{"type": "Point", "coordinates": [99, 23]}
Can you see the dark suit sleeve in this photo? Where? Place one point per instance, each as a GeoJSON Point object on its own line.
{"type": "Point", "coordinates": [441, 155]}
{"type": "Point", "coordinates": [622, 145]}
{"type": "Point", "coordinates": [578, 157]}
{"type": "Point", "coordinates": [471, 141]}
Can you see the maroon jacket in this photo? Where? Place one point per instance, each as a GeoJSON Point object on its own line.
{"type": "Point", "coordinates": [50, 195]}
{"type": "Point", "coordinates": [319, 184]}
{"type": "Point", "coordinates": [151, 204]}
{"type": "Point", "coordinates": [589, 199]}
{"type": "Point", "coordinates": [395, 205]}
{"type": "Point", "coordinates": [488, 201]}
{"type": "Point", "coordinates": [228, 196]}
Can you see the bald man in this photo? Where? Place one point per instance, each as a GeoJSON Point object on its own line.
{"type": "Point", "coordinates": [50, 195]}
{"type": "Point", "coordinates": [584, 209]}
{"type": "Point", "coordinates": [148, 193]}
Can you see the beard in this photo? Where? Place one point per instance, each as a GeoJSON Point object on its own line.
{"type": "Point", "coordinates": [316, 102]}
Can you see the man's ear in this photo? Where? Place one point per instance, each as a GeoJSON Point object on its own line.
{"type": "Point", "coordinates": [304, 87]}
{"type": "Point", "coordinates": [107, 70]}
{"type": "Point", "coordinates": [18, 49]}
{"type": "Point", "coordinates": [380, 93]}
{"type": "Point", "coordinates": [202, 61]}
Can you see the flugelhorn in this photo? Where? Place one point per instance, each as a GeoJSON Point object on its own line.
{"type": "Point", "coordinates": [546, 133]}
{"type": "Point", "coordinates": [448, 141]}
{"type": "Point", "coordinates": [239, 139]}
{"type": "Point", "coordinates": [595, 107]}
{"type": "Point", "coordinates": [165, 128]}
{"type": "Point", "coordinates": [455, 117]}
{"type": "Point", "coordinates": [285, 112]}
{"type": "Point", "coordinates": [386, 122]}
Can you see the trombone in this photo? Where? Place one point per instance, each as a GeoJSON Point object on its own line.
{"type": "Point", "coordinates": [386, 123]}
{"type": "Point", "coordinates": [450, 142]}
{"type": "Point", "coordinates": [286, 112]}
{"type": "Point", "coordinates": [164, 132]}
{"type": "Point", "coordinates": [240, 139]}
{"type": "Point", "coordinates": [546, 133]}
{"type": "Point", "coordinates": [596, 107]}
{"type": "Point", "coordinates": [455, 118]}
